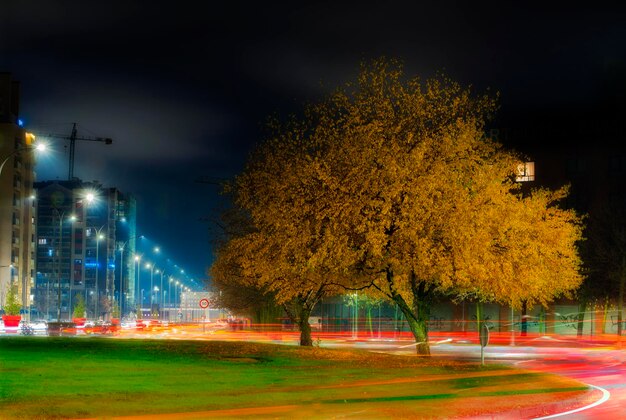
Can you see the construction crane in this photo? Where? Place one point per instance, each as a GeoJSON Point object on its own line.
{"type": "Point", "coordinates": [72, 138]}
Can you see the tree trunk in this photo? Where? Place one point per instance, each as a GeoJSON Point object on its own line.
{"type": "Point", "coordinates": [582, 308]}
{"type": "Point", "coordinates": [305, 328]}
{"type": "Point", "coordinates": [605, 312]}
{"type": "Point", "coordinates": [620, 303]}
{"type": "Point", "coordinates": [418, 316]}
{"type": "Point", "coordinates": [417, 321]}
{"type": "Point", "coordinates": [524, 320]}
{"type": "Point", "coordinates": [479, 316]}
{"type": "Point", "coordinates": [299, 312]}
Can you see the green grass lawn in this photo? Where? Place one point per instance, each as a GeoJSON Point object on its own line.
{"type": "Point", "coordinates": [94, 377]}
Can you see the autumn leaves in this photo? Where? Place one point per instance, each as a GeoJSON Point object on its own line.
{"type": "Point", "coordinates": [389, 186]}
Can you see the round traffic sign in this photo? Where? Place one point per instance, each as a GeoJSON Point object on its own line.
{"type": "Point", "coordinates": [204, 303]}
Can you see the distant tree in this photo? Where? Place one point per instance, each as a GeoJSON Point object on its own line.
{"type": "Point", "coordinates": [115, 310]}
{"type": "Point", "coordinates": [363, 301]}
{"type": "Point", "coordinates": [13, 303]}
{"type": "Point", "coordinates": [105, 306]}
{"type": "Point", "coordinates": [246, 300]}
{"type": "Point", "coordinates": [79, 306]}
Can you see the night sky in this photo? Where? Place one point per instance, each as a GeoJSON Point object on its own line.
{"type": "Point", "coordinates": [183, 88]}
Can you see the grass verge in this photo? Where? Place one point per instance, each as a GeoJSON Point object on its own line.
{"type": "Point", "coordinates": [56, 377]}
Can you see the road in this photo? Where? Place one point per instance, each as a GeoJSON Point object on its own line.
{"type": "Point", "coordinates": [598, 365]}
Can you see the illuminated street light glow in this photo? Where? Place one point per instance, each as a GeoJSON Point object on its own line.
{"type": "Point", "coordinates": [30, 147]}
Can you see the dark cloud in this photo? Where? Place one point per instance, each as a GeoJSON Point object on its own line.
{"type": "Point", "coordinates": [183, 87]}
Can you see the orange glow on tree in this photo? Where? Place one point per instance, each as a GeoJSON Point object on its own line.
{"type": "Point", "coordinates": [390, 185]}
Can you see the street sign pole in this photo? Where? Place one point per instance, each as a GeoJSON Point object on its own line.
{"type": "Point", "coordinates": [204, 304]}
{"type": "Point", "coordinates": [484, 340]}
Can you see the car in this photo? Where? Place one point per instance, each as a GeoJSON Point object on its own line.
{"type": "Point", "coordinates": [39, 327]}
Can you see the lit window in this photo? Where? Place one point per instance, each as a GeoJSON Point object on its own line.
{"type": "Point", "coordinates": [43, 241]}
{"type": "Point", "coordinates": [525, 172]}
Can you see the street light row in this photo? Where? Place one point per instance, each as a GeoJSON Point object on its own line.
{"type": "Point", "coordinates": [89, 198]}
{"type": "Point", "coordinates": [161, 272]}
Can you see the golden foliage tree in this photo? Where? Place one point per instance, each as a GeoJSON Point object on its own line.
{"type": "Point", "coordinates": [258, 263]}
{"type": "Point", "coordinates": [390, 183]}
{"type": "Point", "coordinates": [270, 256]}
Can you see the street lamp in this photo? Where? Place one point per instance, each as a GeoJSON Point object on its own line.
{"type": "Point", "coordinates": [169, 287]}
{"type": "Point", "coordinates": [152, 267]}
{"type": "Point", "coordinates": [138, 264]}
{"type": "Point", "coordinates": [29, 147]}
{"type": "Point", "coordinates": [38, 147]}
{"type": "Point", "coordinates": [122, 245]}
{"type": "Point", "coordinates": [88, 198]}
{"type": "Point", "coordinates": [156, 290]}
{"type": "Point", "coordinates": [162, 300]}
{"type": "Point", "coordinates": [176, 292]}
{"type": "Point", "coordinates": [99, 236]}
{"type": "Point", "coordinates": [140, 314]}
{"type": "Point", "coordinates": [61, 215]}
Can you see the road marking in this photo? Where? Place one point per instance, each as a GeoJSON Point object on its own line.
{"type": "Point", "coordinates": [447, 340]}
{"type": "Point", "coordinates": [605, 396]}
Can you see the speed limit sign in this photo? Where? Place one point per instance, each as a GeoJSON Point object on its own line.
{"type": "Point", "coordinates": [204, 303]}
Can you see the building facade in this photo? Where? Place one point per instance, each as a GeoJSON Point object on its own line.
{"type": "Point", "coordinates": [17, 214]}
{"type": "Point", "coordinates": [85, 243]}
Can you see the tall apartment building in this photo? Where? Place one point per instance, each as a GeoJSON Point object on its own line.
{"type": "Point", "coordinates": [85, 246]}
{"type": "Point", "coordinates": [17, 213]}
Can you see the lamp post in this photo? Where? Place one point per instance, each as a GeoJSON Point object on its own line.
{"type": "Point", "coordinates": [99, 236]}
{"type": "Point", "coordinates": [88, 199]}
{"type": "Point", "coordinates": [169, 288]}
{"type": "Point", "coordinates": [138, 264]}
{"type": "Point", "coordinates": [60, 215]}
{"type": "Point", "coordinates": [156, 290]}
{"type": "Point", "coordinates": [162, 300]}
{"type": "Point", "coordinates": [140, 315]}
{"type": "Point", "coordinates": [29, 137]}
{"type": "Point", "coordinates": [122, 245]}
{"type": "Point", "coordinates": [152, 267]}
{"type": "Point", "coordinates": [40, 147]}
{"type": "Point", "coordinates": [176, 295]}
{"type": "Point", "coordinates": [186, 312]}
